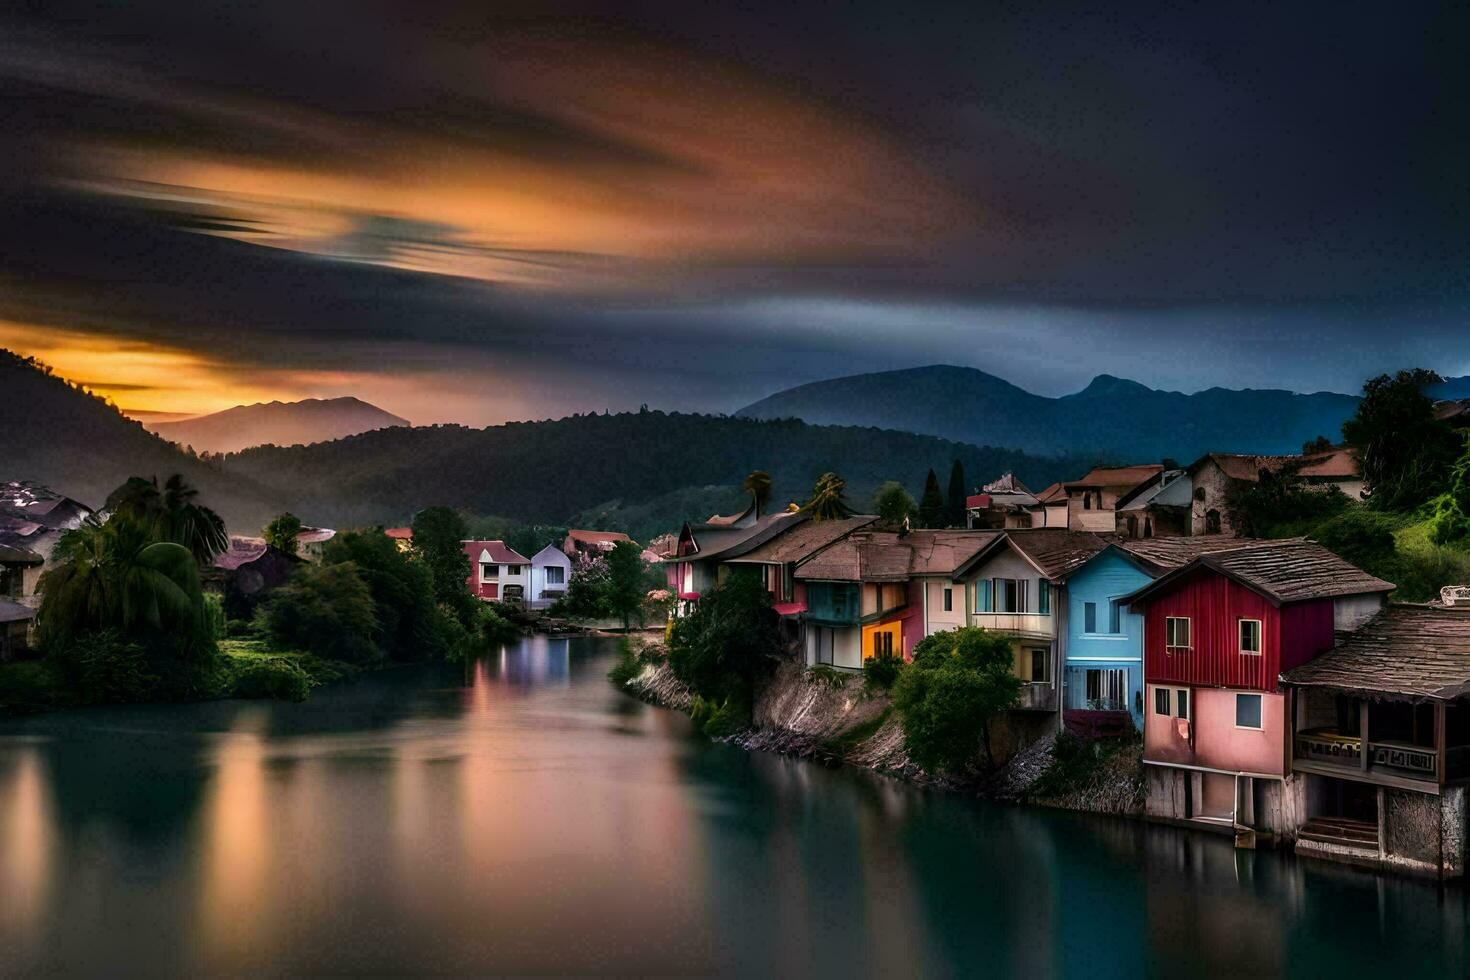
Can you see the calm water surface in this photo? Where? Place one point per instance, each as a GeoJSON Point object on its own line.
{"type": "Point", "coordinates": [521, 816]}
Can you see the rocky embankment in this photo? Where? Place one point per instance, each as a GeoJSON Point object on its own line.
{"type": "Point", "coordinates": [832, 719]}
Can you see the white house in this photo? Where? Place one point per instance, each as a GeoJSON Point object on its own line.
{"type": "Point", "coordinates": [551, 570]}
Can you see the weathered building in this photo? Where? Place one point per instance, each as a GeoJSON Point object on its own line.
{"type": "Point", "coordinates": [1092, 501]}
{"type": "Point", "coordinates": [1213, 476]}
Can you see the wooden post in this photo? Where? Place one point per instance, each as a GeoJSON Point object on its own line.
{"type": "Point", "coordinates": [1441, 750]}
{"type": "Point", "coordinates": [1363, 734]}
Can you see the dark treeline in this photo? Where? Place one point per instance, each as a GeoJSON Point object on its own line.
{"type": "Point", "coordinates": [547, 471]}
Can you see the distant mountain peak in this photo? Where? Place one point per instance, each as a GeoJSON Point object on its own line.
{"type": "Point", "coordinates": [1109, 386]}
{"type": "Point", "coordinates": [276, 422]}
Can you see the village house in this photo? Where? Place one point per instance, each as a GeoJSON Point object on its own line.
{"type": "Point", "coordinates": [20, 573]}
{"type": "Point", "coordinates": [311, 540]}
{"type": "Point", "coordinates": [15, 628]}
{"type": "Point", "coordinates": [1051, 507]}
{"type": "Point", "coordinates": [498, 573]}
{"type": "Point", "coordinates": [551, 571]}
{"type": "Point", "coordinates": [34, 517]}
{"type": "Point", "coordinates": [1380, 742]}
{"type": "Point", "coordinates": [1213, 476]}
{"type": "Point", "coordinates": [1002, 503]}
{"type": "Point", "coordinates": [1092, 501]}
{"type": "Point", "coordinates": [1014, 585]}
{"type": "Point", "coordinates": [701, 549]}
{"type": "Point", "coordinates": [247, 570]}
{"type": "Point", "coordinates": [1158, 507]}
{"type": "Point", "coordinates": [591, 543]}
{"type": "Point", "coordinates": [1218, 632]}
{"type": "Point", "coordinates": [401, 536]}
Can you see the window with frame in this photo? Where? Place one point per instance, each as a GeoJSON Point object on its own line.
{"type": "Point", "coordinates": [489, 573]}
{"type": "Point", "coordinates": [882, 644]}
{"type": "Point", "coordinates": [1161, 702]}
{"type": "Point", "coordinates": [1250, 636]}
{"type": "Point", "coordinates": [1115, 617]}
{"type": "Point", "coordinates": [1010, 595]}
{"type": "Point", "coordinates": [1181, 702]}
{"type": "Point", "coordinates": [1176, 632]}
{"type": "Point", "coordinates": [1248, 711]}
{"type": "Point", "coordinates": [513, 571]}
{"type": "Point", "coordinates": [1089, 617]}
{"type": "Point", "coordinates": [949, 600]}
{"type": "Point", "coordinates": [1039, 661]}
{"type": "Point", "coordinates": [556, 575]}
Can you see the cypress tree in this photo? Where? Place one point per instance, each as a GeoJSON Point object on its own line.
{"type": "Point", "coordinates": [931, 505]}
{"type": "Point", "coordinates": [957, 495]}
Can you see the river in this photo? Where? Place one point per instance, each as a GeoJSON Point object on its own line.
{"type": "Point", "coordinates": [519, 815]}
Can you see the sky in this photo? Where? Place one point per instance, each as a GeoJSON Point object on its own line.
{"type": "Point", "coordinates": [481, 212]}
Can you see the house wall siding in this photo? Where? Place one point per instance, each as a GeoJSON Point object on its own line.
{"type": "Point", "coordinates": [1214, 605]}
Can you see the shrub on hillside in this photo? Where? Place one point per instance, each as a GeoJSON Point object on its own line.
{"type": "Point", "coordinates": [273, 678]}
{"type": "Point", "coordinates": [880, 672]}
{"type": "Point", "coordinates": [104, 668]}
{"type": "Point", "coordinates": [959, 682]}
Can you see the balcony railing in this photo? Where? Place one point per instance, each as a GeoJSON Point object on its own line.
{"type": "Point", "coordinates": [1025, 624]}
{"type": "Point", "coordinates": [1399, 758]}
{"type": "Point", "coordinates": [1038, 697]}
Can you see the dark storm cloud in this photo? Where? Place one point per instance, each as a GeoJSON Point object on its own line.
{"type": "Point", "coordinates": [660, 202]}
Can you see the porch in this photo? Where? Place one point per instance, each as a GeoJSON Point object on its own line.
{"type": "Point", "coordinates": [1388, 743]}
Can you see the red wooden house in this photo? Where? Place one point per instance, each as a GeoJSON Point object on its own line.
{"type": "Point", "coordinates": [1218, 632]}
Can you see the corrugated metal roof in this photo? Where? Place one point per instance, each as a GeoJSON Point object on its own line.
{"type": "Point", "coordinates": [1406, 651]}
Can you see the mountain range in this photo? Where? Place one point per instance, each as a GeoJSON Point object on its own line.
{"type": "Point", "coordinates": [1112, 417]}
{"type": "Point", "coordinates": [276, 423]}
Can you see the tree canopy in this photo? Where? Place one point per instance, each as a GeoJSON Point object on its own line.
{"type": "Point", "coordinates": [893, 503]}
{"type": "Point", "coordinates": [829, 501]}
{"type": "Point", "coordinates": [1405, 451]}
{"type": "Point", "coordinates": [960, 681]}
{"type": "Point", "coordinates": [281, 533]}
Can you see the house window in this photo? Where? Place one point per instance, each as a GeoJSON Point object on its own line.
{"type": "Point", "coordinates": [1181, 702]}
{"type": "Point", "coordinates": [1212, 522]}
{"type": "Point", "coordinates": [1176, 632]}
{"type": "Point", "coordinates": [1087, 501]}
{"type": "Point", "coordinates": [489, 573]}
{"type": "Point", "coordinates": [1250, 636]}
{"type": "Point", "coordinates": [1248, 711]}
{"type": "Point", "coordinates": [1148, 527]}
{"type": "Point", "coordinates": [1115, 617]}
{"type": "Point", "coordinates": [1089, 617]}
{"type": "Point", "coordinates": [1038, 666]}
{"type": "Point", "coordinates": [556, 575]}
{"type": "Point", "coordinates": [1132, 526]}
{"type": "Point", "coordinates": [513, 571]}
{"type": "Point", "coordinates": [882, 644]}
{"type": "Point", "coordinates": [1106, 689]}
{"type": "Point", "coordinates": [1171, 697]}
{"type": "Point", "coordinates": [1161, 701]}
{"type": "Point", "coordinates": [949, 600]}
{"type": "Point", "coordinates": [1043, 598]}
{"type": "Point", "coordinates": [1010, 595]}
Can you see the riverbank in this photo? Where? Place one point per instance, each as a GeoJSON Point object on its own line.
{"type": "Point", "coordinates": [834, 720]}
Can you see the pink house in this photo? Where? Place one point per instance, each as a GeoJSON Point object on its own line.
{"type": "Point", "coordinates": [1217, 633]}
{"type": "Point", "coordinates": [498, 573]}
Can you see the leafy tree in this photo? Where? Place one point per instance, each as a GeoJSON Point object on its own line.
{"type": "Point", "coordinates": [829, 502]}
{"type": "Point", "coordinates": [117, 576]}
{"type": "Point", "coordinates": [172, 514]}
{"type": "Point", "coordinates": [960, 681]}
{"type": "Point", "coordinates": [955, 511]}
{"type": "Point", "coordinates": [438, 536]}
{"type": "Point", "coordinates": [720, 648]}
{"type": "Point", "coordinates": [893, 503]}
{"type": "Point", "coordinates": [1318, 445]}
{"type": "Point", "coordinates": [931, 504]}
{"type": "Point", "coordinates": [1280, 502]}
{"type": "Point", "coordinates": [626, 585]}
{"type": "Point", "coordinates": [586, 590]}
{"type": "Point", "coordinates": [410, 624]}
{"type": "Point", "coordinates": [758, 485]}
{"type": "Point", "coordinates": [281, 532]}
{"type": "Point", "coordinates": [328, 610]}
{"type": "Point", "coordinates": [1451, 520]}
{"type": "Point", "coordinates": [1405, 451]}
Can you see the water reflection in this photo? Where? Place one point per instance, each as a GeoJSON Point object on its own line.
{"type": "Point", "coordinates": [518, 815]}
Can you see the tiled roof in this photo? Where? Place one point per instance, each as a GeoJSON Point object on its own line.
{"type": "Point", "coordinates": [1117, 476]}
{"type": "Point", "coordinates": [1054, 550]}
{"type": "Point", "coordinates": [732, 542]}
{"type": "Point", "coordinates": [1166, 553]}
{"type": "Point", "coordinates": [500, 552]}
{"type": "Point", "coordinates": [805, 540]}
{"type": "Point", "coordinates": [1406, 651]}
{"type": "Point", "coordinates": [1052, 494]}
{"type": "Point", "coordinates": [887, 556]}
{"type": "Point", "coordinates": [1005, 483]}
{"type": "Point", "coordinates": [14, 612]}
{"type": "Point", "coordinates": [14, 554]}
{"type": "Point", "coordinates": [1290, 570]}
{"type": "Point", "coordinates": [1327, 465]}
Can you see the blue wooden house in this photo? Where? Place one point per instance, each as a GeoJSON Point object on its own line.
{"type": "Point", "coordinates": [1104, 646]}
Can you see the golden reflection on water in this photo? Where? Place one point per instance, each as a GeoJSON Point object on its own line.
{"type": "Point", "coordinates": [26, 843]}
{"type": "Point", "coordinates": [237, 848]}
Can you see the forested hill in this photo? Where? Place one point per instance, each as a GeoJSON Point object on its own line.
{"type": "Point", "coordinates": [1112, 416]}
{"type": "Point", "coordinates": [79, 445]}
{"type": "Point", "coordinates": [546, 471]}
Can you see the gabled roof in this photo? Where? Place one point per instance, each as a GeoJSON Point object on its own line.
{"type": "Point", "coordinates": [1409, 652]}
{"type": "Point", "coordinates": [1121, 477]}
{"type": "Point", "coordinates": [1052, 494]}
{"type": "Point", "coordinates": [35, 502]}
{"type": "Point", "coordinates": [888, 556]}
{"type": "Point", "coordinates": [1149, 490]}
{"type": "Point", "coordinates": [553, 550]}
{"type": "Point", "coordinates": [1289, 570]}
{"type": "Point", "coordinates": [1052, 551]}
{"type": "Point", "coordinates": [1163, 554]}
{"type": "Point", "coordinates": [1006, 483]}
{"type": "Point", "coordinates": [805, 540]}
{"type": "Point", "coordinates": [499, 551]}
{"type": "Point", "coordinates": [731, 542]}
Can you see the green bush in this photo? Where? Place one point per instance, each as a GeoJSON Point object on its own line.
{"type": "Point", "coordinates": [629, 666]}
{"type": "Point", "coordinates": [1361, 536]}
{"type": "Point", "coordinates": [729, 638]}
{"type": "Point", "coordinates": [30, 683]}
{"type": "Point", "coordinates": [274, 678]}
{"type": "Point", "coordinates": [105, 668]}
{"type": "Point", "coordinates": [699, 712]}
{"type": "Point", "coordinates": [214, 615]}
{"type": "Point", "coordinates": [960, 680]}
{"type": "Point", "coordinates": [327, 610]}
{"type": "Point", "coordinates": [880, 672]}
{"type": "Point", "coordinates": [494, 627]}
{"type": "Point", "coordinates": [728, 718]}
{"type": "Point", "coordinates": [825, 675]}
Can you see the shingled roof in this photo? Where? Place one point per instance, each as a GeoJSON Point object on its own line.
{"type": "Point", "coordinates": [1330, 464]}
{"type": "Point", "coordinates": [1054, 551]}
{"type": "Point", "coordinates": [805, 540]}
{"type": "Point", "coordinates": [1290, 570]}
{"type": "Point", "coordinates": [1406, 652]}
{"type": "Point", "coordinates": [1117, 476]}
{"type": "Point", "coordinates": [887, 556]}
{"type": "Point", "coordinates": [1164, 554]}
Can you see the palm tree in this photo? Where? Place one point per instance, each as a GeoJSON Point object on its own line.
{"type": "Point", "coordinates": [828, 502]}
{"type": "Point", "coordinates": [171, 515]}
{"type": "Point", "coordinates": [758, 485]}
{"type": "Point", "coordinates": [116, 575]}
